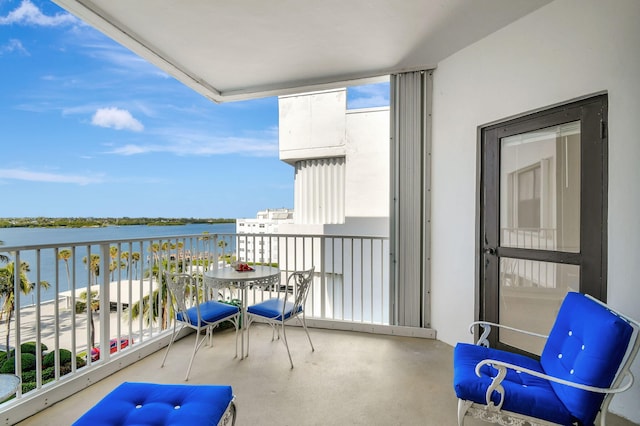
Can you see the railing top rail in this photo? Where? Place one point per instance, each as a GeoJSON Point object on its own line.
{"type": "Point", "coordinates": [327, 236]}
{"type": "Point", "coordinates": [66, 244]}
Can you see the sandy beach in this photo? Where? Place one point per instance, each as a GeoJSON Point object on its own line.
{"type": "Point", "coordinates": [68, 326]}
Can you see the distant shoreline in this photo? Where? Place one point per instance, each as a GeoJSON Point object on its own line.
{"type": "Point", "coordinates": [98, 222]}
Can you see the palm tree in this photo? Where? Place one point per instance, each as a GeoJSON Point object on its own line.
{"type": "Point", "coordinates": [7, 280]}
{"type": "Point", "coordinates": [135, 258]}
{"type": "Point", "coordinates": [93, 304]}
{"type": "Point", "coordinates": [154, 248]}
{"type": "Point", "coordinates": [113, 253]}
{"type": "Point", "coordinates": [94, 266]}
{"type": "Point", "coordinates": [222, 244]}
{"type": "Point", "coordinates": [206, 238]}
{"type": "Point", "coordinates": [124, 261]}
{"type": "Point", "coordinates": [4, 258]}
{"type": "Point", "coordinates": [65, 255]}
{"type": "Point", "coordinates": [159, 296]}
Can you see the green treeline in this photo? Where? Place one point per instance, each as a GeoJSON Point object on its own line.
{"type": "Point", "coordinates": [93, 222]}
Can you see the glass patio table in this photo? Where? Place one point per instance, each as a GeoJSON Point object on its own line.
{"type": "Point", "coordinates": [8, 385]}
{"type": "Point", "coordinates": [260, 276]}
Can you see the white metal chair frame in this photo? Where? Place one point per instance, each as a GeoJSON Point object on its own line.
{"type": "Point", "coordinates": [492, 413]}
{"type": "Point", "coordinates": [298, 285]}
{"type": "Point", "coordinates": [186, 294]}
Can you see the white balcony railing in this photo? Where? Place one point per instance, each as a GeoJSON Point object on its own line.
{"type": "Point", "coordinates": [65, 289]}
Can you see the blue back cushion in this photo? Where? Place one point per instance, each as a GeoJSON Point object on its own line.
{"type": "Point", "coordinates": [586, 345]}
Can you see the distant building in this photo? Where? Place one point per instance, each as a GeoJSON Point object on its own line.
{"type": "Point", "coordinates": [255, 249]}
{"type": "Point", "coordinates": [342, 163]}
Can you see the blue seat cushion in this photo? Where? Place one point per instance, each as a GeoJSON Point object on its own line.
{"type": "Point", "coordinates": [159, 405]}
{"type": "Point", "coordinates": [524, 394]}
{"type": "Point", "coordinates": [272, 308]}
{"type": "Point", "coordinates": [210, 311]}
{"type": "Point", "coordinates": [586, 345]}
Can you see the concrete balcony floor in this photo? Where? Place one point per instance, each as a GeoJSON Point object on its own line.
{"type": "Point", "coordinates": [351, 379]}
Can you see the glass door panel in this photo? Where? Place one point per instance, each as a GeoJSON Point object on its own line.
{"type": "Point", "coordinates": [530, 296]}
{"type": "Point", "coordinates": [540, 189]}
{"type": "Point", "coordinates": [542, 217]}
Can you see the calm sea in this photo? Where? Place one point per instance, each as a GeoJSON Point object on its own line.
{"type": "Point", "coordinates": [32, 236]}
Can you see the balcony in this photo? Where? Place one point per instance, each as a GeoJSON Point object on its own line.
{"type": "Point", "coordinates": [84, 297]}
{"type": "Point", "coordinates": [351, 378]}
{"type": "Point", "coordinates": [364, 370]}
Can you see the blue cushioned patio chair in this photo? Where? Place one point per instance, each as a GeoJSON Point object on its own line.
{"type": "Point", "coordinates": [279, 310]}
{"type": "Point", "coordinates": [585, 361]}
{"type": "Point", "coordinates": [190, 309]}
{"type": "Point", "coordinates": [138, 404]}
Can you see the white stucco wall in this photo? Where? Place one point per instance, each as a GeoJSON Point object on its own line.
{"type": "Point", "coordinates": [317, 125]}
{"type": "Point", "coordinates": [367, 171]}
{"type": "Point", "coordinates": [312, 125]}
{"type": "Point", "coordinates": [565, 50]}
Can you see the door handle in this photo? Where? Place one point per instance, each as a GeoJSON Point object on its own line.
{"type": "Point", "coordinates": [490, 250]}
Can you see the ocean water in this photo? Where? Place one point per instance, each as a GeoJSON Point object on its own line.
{"type": "Point", "coordinates": [54, 271]}
{"type": "Point", "coordinates": [32, 236]}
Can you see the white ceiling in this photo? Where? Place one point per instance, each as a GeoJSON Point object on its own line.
{"type": "Point", "coordinates": [240, 49]}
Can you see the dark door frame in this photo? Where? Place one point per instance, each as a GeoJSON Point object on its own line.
{"type": "Point", "coordinates": [592, 257]}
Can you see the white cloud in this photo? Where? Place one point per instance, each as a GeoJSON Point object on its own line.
{"type": "Point", "coordinates": [199, 145]}
{"type": "Point", "coordinates": [97, 47]}
{"type": "Point", "coordinates": [29, 14]}
{"type": "Point", "coordinates": [133, 150]}
{"type": "Point", "coordinates": [28, 175]}
{"type": "Point", "coordinates": [116, 118]}
{"type": "Point", "coordinates": [13, 45]}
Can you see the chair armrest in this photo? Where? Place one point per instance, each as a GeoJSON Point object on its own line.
{"type": "Point", "coordinates": [486, 330]}
{"type": "Point", "coordinates": [502, 372]}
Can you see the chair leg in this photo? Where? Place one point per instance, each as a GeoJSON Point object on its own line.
{"type": "Point", "coordinates": [238, 329]}
{"type": "Point", "coordinates": [196, 346]}
{"type": "Point", "coordinates": [284, 339]}
{"type": "Point", "coordinates": [245, 327]}
{"type": "Point", "coordinates": [463, 406]}
{"type": "Point", "coordinates": [173, 338]}
{"type": "Point", "coordinates": [304, 325]}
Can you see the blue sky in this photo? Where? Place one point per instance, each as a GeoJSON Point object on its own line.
{"type": "Point", "coordinates": [88, 128]}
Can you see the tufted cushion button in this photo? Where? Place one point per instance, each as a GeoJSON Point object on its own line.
{"type": "Point", "coordinates": [177, 407]}
{"type": "Point", "coordinates": [571, 372]}
{"type": "Point", "coordinates": [570, 333]}
{"type": "Point", "coordinates": [582, 347]}
{"type": "Point", "coordinates": [560, 356]}
{"type": "Point", "coordinates": [139, 406]}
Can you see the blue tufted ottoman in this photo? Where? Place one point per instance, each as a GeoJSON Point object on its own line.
{"type": "Point", "coordinates": [159, 405]}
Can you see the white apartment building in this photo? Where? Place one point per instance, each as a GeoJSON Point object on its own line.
{"type": "Point", "coordinates": [251, 247]}
{"type": "Point", "coordinates": [341, 160]}
{"type": "Point", "coordinates": [342, 164]}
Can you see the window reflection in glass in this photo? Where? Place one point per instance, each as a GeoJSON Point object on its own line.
{"type": "Point", "coordinates": [530, 295]}
{"type": "Point", "coordinates": [540, 189]}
